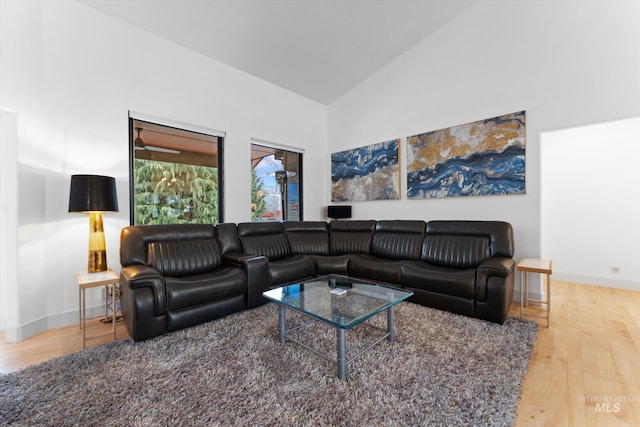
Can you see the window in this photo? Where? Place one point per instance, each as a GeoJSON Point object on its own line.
{"type": "Point", "coordinates": [176, 173]}
{"type": "Point", "coordinates": [276, 184]}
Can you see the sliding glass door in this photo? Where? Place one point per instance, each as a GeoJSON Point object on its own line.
{"type": "Point", "coordinates": [276, 185]}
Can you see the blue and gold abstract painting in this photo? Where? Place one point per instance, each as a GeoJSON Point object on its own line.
{"type": "Point", "coordinates": [486, 157]}
{"type": "Point", "coordinates": [366, 173]}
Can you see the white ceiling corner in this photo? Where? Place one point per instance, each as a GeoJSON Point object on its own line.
{"type": "Point", "coordinates": [319, 49]}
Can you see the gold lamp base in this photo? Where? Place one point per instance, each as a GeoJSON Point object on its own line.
{"type": "Point", "coordinates": [97, 245]}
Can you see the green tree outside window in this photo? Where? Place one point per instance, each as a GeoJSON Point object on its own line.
{"type": "Point", "coordinates": [174, 193]}
{"type": "Point", "coordinates": [258, 198]}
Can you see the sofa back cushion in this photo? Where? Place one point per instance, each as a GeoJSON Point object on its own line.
{"type": "Point", "coordinates": [264, 238]}
{"type": "Point", "coordinates": [308, 237]}
{"type": "Point", "coordinates": [228, 237]}
{"type": "Point", "coordinates": [180, 258]}
{"type": "Point", "coordinates": [351, 237]}
{"type": "Point", "coordinates": [398, 239]}
{"type": "Point", "coordinates": [499, 233]}
{"type": "Point", "coordinates": [134, 240]}
{"type": "Point", "coordinates": [466, 244]}
{"type": "Point", "coordinates": [455, 251]}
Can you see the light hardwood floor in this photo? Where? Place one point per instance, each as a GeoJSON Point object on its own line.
{"type": "Point", "coordinates": [585, 369]}
{"type": "Point", "coordinates": [54, 342]}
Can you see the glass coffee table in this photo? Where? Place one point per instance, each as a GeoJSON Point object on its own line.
{"type": "Point", "coordinates": [341, 302]}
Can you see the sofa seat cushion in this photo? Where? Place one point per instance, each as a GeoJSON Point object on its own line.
{"type": "Point", "coordinates": [291, 269]}
{"type": "Point", "coordinates": [374, 268]}
{"type": "Point", "coordinates": [442, 280]}
{"type": "Point", "coordinates": [191, 291]}
{"type": "Point", "coordinates": [338, 264]}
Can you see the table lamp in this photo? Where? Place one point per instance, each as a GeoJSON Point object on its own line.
{"type": "Point", "coordinates": [94, 194]}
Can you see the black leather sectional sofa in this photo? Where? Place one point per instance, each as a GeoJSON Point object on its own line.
{"type": "Point", "coordinates": [176, 276]}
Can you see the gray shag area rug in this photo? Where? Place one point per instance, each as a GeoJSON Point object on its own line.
{"type": "Point", "coordinates": [443, 369]}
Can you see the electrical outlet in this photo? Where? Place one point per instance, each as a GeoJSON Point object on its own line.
{"type": "Point", "coordinates": [615, 268]}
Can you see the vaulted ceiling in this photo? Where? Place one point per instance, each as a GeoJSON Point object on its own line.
{"type": "Point", "coordinates": [319, 49]}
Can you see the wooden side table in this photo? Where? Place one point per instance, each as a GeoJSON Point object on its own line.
{"type": "Point", "coordinates": [534, 265]}
{"type": "Point", "coordinates": [85, 280]}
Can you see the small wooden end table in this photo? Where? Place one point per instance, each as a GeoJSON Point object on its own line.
{"type": "Point", "coordinates": [534, 265]}
{"type": "Point", "coordinates": [85, 280]}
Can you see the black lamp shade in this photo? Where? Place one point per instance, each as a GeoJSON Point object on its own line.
{"type": "Point", "coordinates": [93, 193]}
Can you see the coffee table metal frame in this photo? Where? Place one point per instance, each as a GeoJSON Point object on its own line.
{"type": "Point", "coordinates": [385, 298]}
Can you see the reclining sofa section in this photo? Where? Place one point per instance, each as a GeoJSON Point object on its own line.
{"type": "Point", "coordinates": [176, 276]}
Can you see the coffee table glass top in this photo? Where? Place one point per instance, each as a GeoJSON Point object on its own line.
{"type": "Point", "coordinates": [361, 301]}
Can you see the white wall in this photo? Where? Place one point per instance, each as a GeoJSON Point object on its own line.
{"type": "Point", "coordinates": [565, 63]}
{"type": "Point", "coordinates": [72, 74]}
{"type": "Point", "coordinates": [590, 203]}
{"type": "Point", "coordinates": [8, 219]}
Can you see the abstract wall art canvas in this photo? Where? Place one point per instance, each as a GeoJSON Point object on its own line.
{"type": "Point", "coordinates": [486, 157]}
{"type": "Point", "coordinates": [366, 173]}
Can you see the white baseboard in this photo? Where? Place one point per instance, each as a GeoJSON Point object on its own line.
{"type": "Point", "coordinates": [35, 327]}
{"type": "Point", "coordinates": [597, 281]}
{"type": "Point", "coordinates": [582, 280]}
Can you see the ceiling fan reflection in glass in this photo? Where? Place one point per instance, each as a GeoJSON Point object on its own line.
{"type": "Point", "coordinates": [139, 144]}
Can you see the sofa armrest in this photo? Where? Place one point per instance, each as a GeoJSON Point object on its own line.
{"type": "Point", "coordinates": [140, 276]}
{"type": "Point", "coordinates": [256, 269]}
{"type": "Point", "coordinates": [497, 266]}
